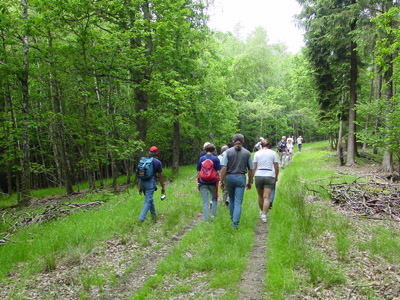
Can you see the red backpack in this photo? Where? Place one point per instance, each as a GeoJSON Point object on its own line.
{"type": "Point", "coordinates": [207, 171]}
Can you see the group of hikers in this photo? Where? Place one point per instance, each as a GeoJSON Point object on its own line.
{"type": "Point", "coordinates": [226, 171]}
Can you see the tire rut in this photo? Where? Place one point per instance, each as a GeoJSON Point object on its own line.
{"type": "Point", "coordinates": [252, 284]}
{"type": "Point", "coordinates": [135, 280]}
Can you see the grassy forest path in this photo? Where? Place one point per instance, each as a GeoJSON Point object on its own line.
{"type": "Point", "coordinates": [312, 247]}
{"type": "Point", "coordinates": [252, 284]}
{"type": "Point", "coordinates": [106, 254]}
{"type": "Point", "coordinates": [133, 281]}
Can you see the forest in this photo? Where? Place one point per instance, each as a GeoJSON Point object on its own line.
{"type": "Point", "coordinates": [87, 86]}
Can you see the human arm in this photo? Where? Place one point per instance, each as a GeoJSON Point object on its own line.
{"type": "Point", "coordinates": [252, 169]}
{"type": "Point", "coordinates": [161, 180]}
{"type": "Point", "coordinates": [276, 166]}
{"type": "Point", "coordinates": [223, 177]}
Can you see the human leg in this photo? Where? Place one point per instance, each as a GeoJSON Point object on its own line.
{"type": "Point", "coordinates": [280, 159]}
{"type": "Point", "coordinates": [148, 188]}
{"type": "Point", "coordinates": [237, 212]}
{"type": "Point", "coordinates": [260, 191]}
{"type": "Point", "coordinates": [289, 159]}
{"type": "Point", "coordinates": [230, 187]}
{"type": "Point", "coordinates": [266, 199]}
{"type": "Point", "coordinates": [260, 199]}
{"type": "Point", "coordinates": [204, 191]}
{"type": "Point", "coordinates": [212, 189]}
{"type": "Point", "coordinates": [272, 196]}
{"type": "Point", "coordinates": [236, 192]}
{"type": "Point", "coordinates": [283, 160]}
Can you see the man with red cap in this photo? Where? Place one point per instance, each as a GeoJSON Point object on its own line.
{"type": "Point", "coordinates": [149, 186]}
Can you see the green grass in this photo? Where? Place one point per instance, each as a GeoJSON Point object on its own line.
{"type": "Point", "coordinates": [213, 249]}
{"type": "Point", "coordinates": [37, 245]}
{"type": "Point", "coordinates": [67, 241]}
{"type": "Point", "coordinates": [295, 256]}
{"type": "Point", "coordinates": [385, 243]}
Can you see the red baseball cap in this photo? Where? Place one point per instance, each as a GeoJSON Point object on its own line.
{"type": "Point", "coordinates": [153, 149]}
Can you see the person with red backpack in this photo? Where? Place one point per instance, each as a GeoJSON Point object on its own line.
{"type": "Point", "coordinates": [208, 167]}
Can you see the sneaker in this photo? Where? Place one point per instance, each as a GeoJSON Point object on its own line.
{"type": "Point", "coordinates": [264, 218]}
{"type": "Point", "coordinates": [261, 213]}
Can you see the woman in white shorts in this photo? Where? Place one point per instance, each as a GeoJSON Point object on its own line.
{"type": "Point", "coordinates": [266, 174]}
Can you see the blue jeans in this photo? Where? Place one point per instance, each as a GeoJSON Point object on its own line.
{"type": "Point", "coordinates": [148, 187]}
{"type": "Point", "coordinates": [272, 196]}
{"type": "Point", "coordinates": [235, 184]}
{"type": "Point", "coordinates": [204, 191]}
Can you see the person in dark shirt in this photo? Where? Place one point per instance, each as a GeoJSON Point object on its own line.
{"type": "Point", "coordinates": [282, 151]}
{"type": "Point", "coordinates": [148, 187]}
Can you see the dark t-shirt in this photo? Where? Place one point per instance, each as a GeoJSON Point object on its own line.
{"type": "Point", "coordinates": [283, 146]}
{"type": "Point", "coordinates": [157, 166]}
{"type": "Point", "coordinates": [204, 153]}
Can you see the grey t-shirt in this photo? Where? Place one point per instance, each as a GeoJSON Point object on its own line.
{"type": "Point", "coordinates": [237, 162]}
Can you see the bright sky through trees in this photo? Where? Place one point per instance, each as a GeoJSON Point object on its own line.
{"type": "Point", "coordinates": [275, 16]}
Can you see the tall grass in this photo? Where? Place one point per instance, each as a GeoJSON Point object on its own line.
{"type": "Point", "coordinates": [292, 260]}
{"type": "Point", "coordinates": [37, 244]}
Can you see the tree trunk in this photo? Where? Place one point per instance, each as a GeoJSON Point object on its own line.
{"type": "Point", "coordinates": [176, 147]}
{"type": "Point", "coordinates": [87, 147]}
{"type": "Point", "coordinates": [330, 140]}
{"type": "Point", "coordinates": [377, 98]}
{"type": "Point", "coordinates": [139, 77]}
{"type": "Point", "coordinates": [371, 85]}
{"type": "Point", "coordinates": [25, 163]}
{"type": "Point", "coordinates": [59, 127]}
{"type": "Point", "coordinates": [98, 97]}
{"type": "Point", "coordinates": [352, 146]}
{"type": "Point", "coordinates": [387, 162]}
{"type": "Point", "coordinates": [340, 135]}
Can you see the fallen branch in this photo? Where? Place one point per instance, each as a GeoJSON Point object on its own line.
{"type": "Point", "coordinates": [367, 198]}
